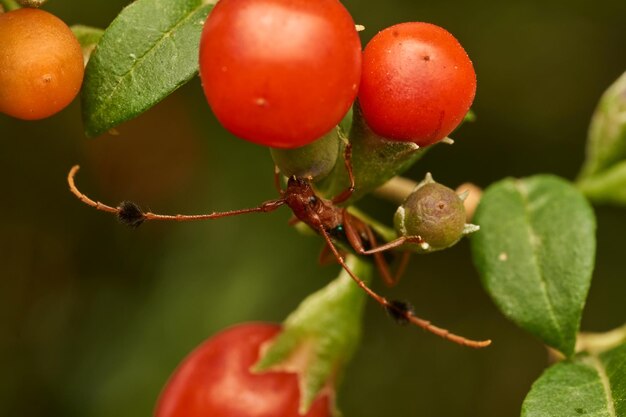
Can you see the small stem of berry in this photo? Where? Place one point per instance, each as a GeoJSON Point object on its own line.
{"type": "Point", "coordinates": [396, 190]}
{"type": "Point", "coordinates": [596, 343]}
{"type": "Point", "coordinates": [471, 195]}
{"type": "Point", "coordinates": [387, 233]}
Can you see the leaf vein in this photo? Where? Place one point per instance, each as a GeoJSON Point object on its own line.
{"type": "Point", "coordinates": [606, 384]}
{"type": "Point", "coordinates": [165, 35]}
{"type": "Point", "coordinates": [534, 239]}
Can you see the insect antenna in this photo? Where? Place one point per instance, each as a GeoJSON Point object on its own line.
{"type": "Point", "coordinates": [400, 311]}
{"type": "Point", "coordinates": [132, 215]}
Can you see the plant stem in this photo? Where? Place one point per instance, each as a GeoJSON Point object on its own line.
{"type": "Point", "coordinates": [592, 343]}
{"type": "Point", "coordinates": [596, 343]}
{"type": "Point", "coordinates": [385, 232]}
{"type": "Point", "coordinates": [396, 190]}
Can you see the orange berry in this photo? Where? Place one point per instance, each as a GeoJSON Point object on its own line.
{"type": "Point", "coordinates": [41, 64]}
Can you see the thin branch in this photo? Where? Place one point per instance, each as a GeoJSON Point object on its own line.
{"type": "Point", "coordinates": [396, 190]}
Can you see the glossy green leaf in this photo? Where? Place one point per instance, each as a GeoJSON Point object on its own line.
{"type": "Point", "coordinates": [88, 37]}
{"type": "Point", "coordinates": [325, 328]}
{"type": "Point", "coordinates": [148, 51]}
{"type": "Point", "coordinates": [535, 253]}
{"type": "Point", "coordinates": [588, 385]}
{"type": "Point", "coordinates": [606, 144]}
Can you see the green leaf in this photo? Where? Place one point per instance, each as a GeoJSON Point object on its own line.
{"type": "Point", "coordinates": [148, 51]}
{"type": "Point", "coordinates": [9, 5]}
{"type": "Point", "coordinates": [535, 253]}
{"type": "Point", "coordinates": [606, 144]}
{"type": "Point", "coordinates": [88, 37]}
{"type": "Point", "coordinates": [608, 186]}
{"type": "Point", "coordinates": [588, 385]}
{"type": "Point", "coordinates": [325, 330]}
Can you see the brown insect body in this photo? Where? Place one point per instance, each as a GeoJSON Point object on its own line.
{"type": "Point", "coordinates": [332, 222]}
{"type": "Point", "coordinates": [311, 209]}
{"type": "Point", "coordinates": [319, 213]}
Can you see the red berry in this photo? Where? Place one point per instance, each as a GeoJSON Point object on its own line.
{"type": "Point", "coordinates": [417, 84]}
{"type": "Point", "coordinates": [280, 73]}
{"type": "Point", "coordinates": [41, 64]}
{"type": "Point", "coordinates": [215, 380]}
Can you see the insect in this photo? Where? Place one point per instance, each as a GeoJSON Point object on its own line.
{"type": "Point", "coordinates": [332, 222]}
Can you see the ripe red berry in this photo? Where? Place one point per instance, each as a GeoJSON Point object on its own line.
{"type": "Point", "coordinates": [417, 84]}
{"type": "Point", "coordinates": [280, 73]}
{"type": "Point", "coordinates": [41, 64]}
{"type": "Point", "coordinates": [215, 380]}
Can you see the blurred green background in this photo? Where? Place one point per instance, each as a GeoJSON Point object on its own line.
{"type": "Point", "coordinates": [94, 317]}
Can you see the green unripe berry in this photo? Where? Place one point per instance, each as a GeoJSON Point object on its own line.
{"type": "Point", "coordinates": [435, 213]}
{"type": "Point", "coordinates": [313, 161]}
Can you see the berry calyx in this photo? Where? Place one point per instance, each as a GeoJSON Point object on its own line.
{"type": "Point", "coordinates": [313, 161]}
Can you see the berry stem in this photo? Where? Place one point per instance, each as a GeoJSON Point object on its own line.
{"type": "Point", "coordinates": [396, 190]}
{"type": "Point", "coordinates": [596, 343]}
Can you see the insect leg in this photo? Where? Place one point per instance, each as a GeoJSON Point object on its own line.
{"type": "Point", "coordinates": [399, 310]}
{"type": "Point", "coordinates": [394, 244]}
{"type": "Point", "coordinates": [352, 227]}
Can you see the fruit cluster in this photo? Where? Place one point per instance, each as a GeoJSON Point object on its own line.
{"type": "Point", "coordinates": [340, 122]}
{"type": "Point", "coordinates": [275, 72]}
{"type": "Point", "coordinates": [284, 73]}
